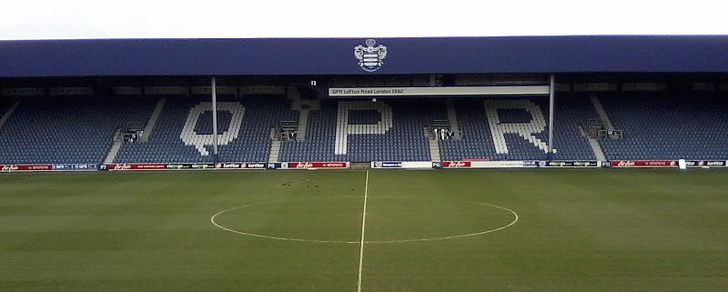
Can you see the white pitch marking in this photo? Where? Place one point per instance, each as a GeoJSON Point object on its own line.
{"type": "Point", "coordinates": [363, 228]}
{"type": "Point", "coordinates": [515, 219]}
{"type": "Point", "coordinates": [212, 220]}
{"type": "Point", "coordinates": [457, 236]}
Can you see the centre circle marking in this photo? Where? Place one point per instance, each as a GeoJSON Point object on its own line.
{"type": "Point", "coordinates": [448, 237]}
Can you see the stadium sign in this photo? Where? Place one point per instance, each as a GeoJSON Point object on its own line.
{"type": "Point", "coordinates": [644, 163]}
{"type": "Point", "coordinates": [489, 164]}
{"type": "Point", "coordinates": [668, 163]}
{"type": "Point", "coordinates": [254, 165]}
{"type": "Point", "coordinates": [25, 167]}
{"type": "Point", "coordinates": [74, 167]}
{"type": "Point", "coordinates": [386, 164]}
{"type": "Point", "coordinates": [314, 165]}
{"type": "Point", "coordinates": [706, 163]}
{"type": "Point", "coordinates": [228, 165]}
{"type": "Point", "coordinates": [203, 166]}
{"type": "Point", "coordinates": [133, 166]}
{"type": "Point", "coordinates": [176, 166]}
{"type": "Point", "coordinates": [571, 163]}
{"type": "Point", "coordinates": [456, 164]}
{"type": "Point", "coordinates": [240, 165]}
{"type": "Point", "coordinates": [402, 164]}
{"type": "Point", "coordinates": [529, 90]}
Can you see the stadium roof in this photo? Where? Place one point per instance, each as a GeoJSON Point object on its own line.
{"type": "Point", "coordinates": [335, 56]}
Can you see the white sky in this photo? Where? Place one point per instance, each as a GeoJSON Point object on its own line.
{"type": "Point", "coordinates": [91, 19]}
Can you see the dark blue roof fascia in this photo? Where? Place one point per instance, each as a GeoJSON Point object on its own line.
{"type": "Point", "coordinates": [329, 56]}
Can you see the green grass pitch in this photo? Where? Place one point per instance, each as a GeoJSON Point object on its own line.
{"type": "Point", "coordinates": [459, 230]}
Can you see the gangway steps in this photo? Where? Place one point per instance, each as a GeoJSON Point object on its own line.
{"type": "Point", "coordinates": [153, 120]}
{"type": "Point", "coordinates": [275, 151]}
{"type": "Point", "coordinates": [8, 113]}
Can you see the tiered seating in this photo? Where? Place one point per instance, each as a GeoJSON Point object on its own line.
{"type": "Point", "coordinates": [571, 112]}
{"type": "Point", "coordinates": [80, 130]}
{"type": "Point", "coordinates": [262, 113]}
{"type": "Point", "coordinates": [366, 131]}
{"type": "Point", "coordinates": [172, 142]}
{"type": "Point", "coordinates": [67, 130]}
{"type": "Point", "coordinates": [657, 126]}
{"type": "Point", "coordinates": [477, 142]}
{"type": "Point", "coordinates": [515, 123]}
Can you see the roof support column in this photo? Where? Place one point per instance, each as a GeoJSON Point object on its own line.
{"type": "Point", "coordinates": [552, 86]}
{"type": "Point", "coordinates": [213, 87]}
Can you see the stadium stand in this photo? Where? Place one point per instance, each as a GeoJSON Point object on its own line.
{"type": "Point", "coordinates": [81, 129]}
{"type": "Point", "coordinates": [363, 131]}
{"type": "Point", "coordinates": [569, 140]}
{"type": "Point", "coordinates": [660, 126]}
{"type": "Point", "coordinates": [184, 131]}
{"type": "Point", "coordinates": [498, 129]}
{"type": "Point", "coordinates": [308, 100]}
{"type": "Point", "coordinates": [66, 129]}
{"type": "Point", "coordinates": [476, 142]}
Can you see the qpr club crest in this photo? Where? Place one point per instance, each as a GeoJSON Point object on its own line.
{"type": "Point", "coordinates": [370, 56]}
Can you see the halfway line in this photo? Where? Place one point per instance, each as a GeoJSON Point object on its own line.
{"type": "Point", "coordinates": [363, 226]}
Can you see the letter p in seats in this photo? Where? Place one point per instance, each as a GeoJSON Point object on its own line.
{"type": "Point", "coordinates": [344, 129]}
